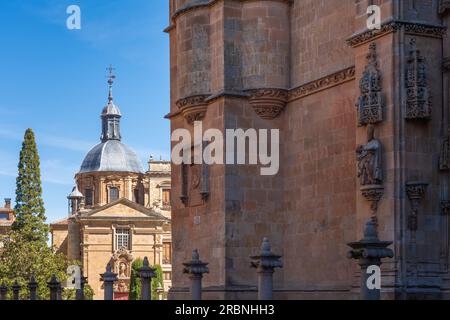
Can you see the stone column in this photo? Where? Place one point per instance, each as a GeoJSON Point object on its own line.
{"type": "Point", "coordinates": [195, 268]}
{"type": "Point", "coordinates": [146, 273]}
{"type": "Point", "coordinates": [369, 251]}
{"type": "Point", "coordinates": [16, 290]}
{"type": "Point", "coordinates": [3, 291]}
{"type": "Point", "coordinates": [108, 279]}
{"type": "Point", "coordinates": [265, 264]}
{"type": "Point", "coordinates": [54, 285]}
{"type": "Point", "coordinates": [32, 286]}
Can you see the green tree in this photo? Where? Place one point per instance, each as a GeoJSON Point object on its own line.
{"type": "Point", "coordinates": [29, 210]}
{"type": "Point", "coordinates": [26, 252]}
{"type": "Point", "coordinates": [135, 281]}
{"type": "Point", "coordinates": [157, 280]}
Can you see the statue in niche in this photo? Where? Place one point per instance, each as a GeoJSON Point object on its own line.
{"type": "Point", "coordinates": [369, 160]}
{"type": "Point", "coordinates": [122, 270]}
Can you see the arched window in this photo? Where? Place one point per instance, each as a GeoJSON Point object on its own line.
{"type": "Point", "coordinates": [113, 194]}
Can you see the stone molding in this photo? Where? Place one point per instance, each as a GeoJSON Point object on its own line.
{"type": "Point", "coordinates": [193, 108]}
{"type": "Point", "coordinates": [323, 83]}
{"type": "Point", "coordinates": [268, 103]}
{"type": "Point", "coordinates": [198, 4]}
{"type": "Point", "coordinates": [435, 31]}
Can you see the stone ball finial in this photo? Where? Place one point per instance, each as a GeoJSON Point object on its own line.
{"type": "Point", "coordinates": [195, 255]}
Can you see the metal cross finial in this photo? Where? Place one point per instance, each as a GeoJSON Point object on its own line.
{"type": "Point", "coordinates": [111, 78]}
{"type": "Point", "coordinates": [111, 75]}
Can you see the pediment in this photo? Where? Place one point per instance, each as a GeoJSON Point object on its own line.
{"type": "Point", "coordinates": [124, 208]}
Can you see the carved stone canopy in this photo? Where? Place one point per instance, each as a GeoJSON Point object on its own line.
{"type": "Point", "coordinates": [416, 190]}
{"type": "Point", "coordinates": [370, 109]}
{"type": "Point", "coordinates": [418, 98]}
{"type": "Point", "coordinates": [268, 103]}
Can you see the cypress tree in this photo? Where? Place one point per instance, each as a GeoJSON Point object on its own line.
{"type": "Point", "coordinates": [29, 209]}
{"type": "Point", "coordinates": [27, 252]}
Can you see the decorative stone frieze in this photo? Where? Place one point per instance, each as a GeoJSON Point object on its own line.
{"type": "Point", "coordinates": [370, 108]}
{"type": "Point", "coordinates": [268, 103]}
{"type": "Point", "coordinates": [193, 108]}
{"type": "Point", "coordinates": [326, 82]}
{"type": "Point", "coordinates": [418, 99]}
{"type": "Point", "coordinates": [436, 31]}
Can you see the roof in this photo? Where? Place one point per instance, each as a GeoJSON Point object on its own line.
{"type": "Point", "coordinates": [111, 155]}
{"type": "Point", "coordinates": [147, 213]}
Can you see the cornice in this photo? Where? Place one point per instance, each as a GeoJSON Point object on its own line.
{"type": "Point", "coordinates": [315, 86]}
{"type": "Point", "coordinates": [421, 29]}
{"type": "Point", "coordinates": [323, 83]}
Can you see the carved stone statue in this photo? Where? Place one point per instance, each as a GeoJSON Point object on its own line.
{"type": "Point", "coordinates": [122, 270]}
{"type": "Point", "coordinates": [369, 160]}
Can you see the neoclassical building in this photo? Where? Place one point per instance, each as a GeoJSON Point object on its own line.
{"type": "Point", "coordinates": [117, 211]}
{"type": "Point", "coordinates": [6, 221]}
{"type": "Point", "coordinates": [363, 116]}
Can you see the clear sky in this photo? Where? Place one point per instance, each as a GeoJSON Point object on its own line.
{"type": "Point", "coordinates": [53, 80]}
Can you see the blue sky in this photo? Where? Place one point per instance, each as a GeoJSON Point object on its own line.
{"type": "Point", "coordinates": [53, 80]}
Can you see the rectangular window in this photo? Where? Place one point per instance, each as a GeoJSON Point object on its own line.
{"type": "Point", "coordinates": [113, 194]}
{"type": "Point", "coordinates": [166, 197]}
{"type": "Point", "coordinates": [4, 216]}
{"type": "Point", "coordinates": [123, 238]}
{"type": "Point", "coordinates": [167, 253]}
{"type": "Point", "coordinates": [89, 195]}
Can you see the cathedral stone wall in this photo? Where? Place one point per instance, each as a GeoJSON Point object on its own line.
{"type": "Point", "coordinates": [313, 70]}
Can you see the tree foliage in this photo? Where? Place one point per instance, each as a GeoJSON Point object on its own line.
{"type": "Point", "coordinates": [135, 281]}
{"type": "Point", "coordinates": [26, 252]}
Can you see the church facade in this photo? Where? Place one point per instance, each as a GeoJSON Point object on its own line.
{"type": "Point", "coordinates": [117, 211]}
{"type": "Point", "coordinates": [363, 115]}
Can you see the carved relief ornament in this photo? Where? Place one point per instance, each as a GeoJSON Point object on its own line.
{"type": "Point", "coordinates": [418, 99]}
{"type": "Point", "coordinates": [370, 109]}
{"type": "Point", "coordinates": [268, 103]}
{"type": "Point", "coordinates": [193, 108]}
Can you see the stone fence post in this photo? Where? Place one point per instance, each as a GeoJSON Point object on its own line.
{"type": "Point", "coordinates": [108, 279]}
{"type": "Point", "coordinates": [16, 290]}
{"type": "Point", "coordinates": [79, 294]}
{"type": "Point", "coordinates": [3, 291]}
{"type": "Point", "coordinates": [55, 288]}
{"type": "Point", "coordinates": [32, 286]}
{"type": "Point", "coordinates": [369, 251]}
{"type": "Point", "coordinates": [196, 268]}
{"type": "Point", "coordinates": [146, 273]}
{"type": "Point", "coordinates": [265, 264]}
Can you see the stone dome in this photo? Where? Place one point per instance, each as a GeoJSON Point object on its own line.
{"type": "Point", "coordinates": [111, 155]}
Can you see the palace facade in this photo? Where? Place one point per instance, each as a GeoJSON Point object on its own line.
{"type": "Point", "coordinates": [117, 211]}
{"type": "Point", "coordinates": [364, 120]}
